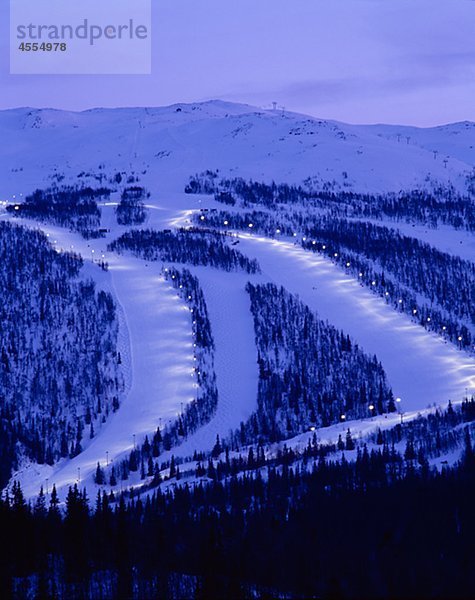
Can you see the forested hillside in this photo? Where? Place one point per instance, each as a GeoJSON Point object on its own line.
{"type": "Point", "coordinates": [311, 528]}
{"type": "Point", "coordinates": [68, 206]}
{"type": "Point", "coordinates": [195, 247]}
{"type": "Point", "coordinates": [310, 374]}
{"type": "Point", "coordinates": [253, 383]}
{"type": "Point", "coordinates": [59, 368]}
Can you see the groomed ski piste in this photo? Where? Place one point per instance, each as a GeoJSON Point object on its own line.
{"type": "Point", "coordinates": [156, 341]}
{"type": "Point", "coordinates": [423, 370]}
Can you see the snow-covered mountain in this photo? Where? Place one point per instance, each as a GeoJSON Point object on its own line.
{"type": "Point", "coordinates": [169, 144]}
{"type": "Point", "coordinates": [159, 149]}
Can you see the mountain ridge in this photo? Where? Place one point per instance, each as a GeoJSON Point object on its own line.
{"type": "Point", "coordinates": [235, 139]}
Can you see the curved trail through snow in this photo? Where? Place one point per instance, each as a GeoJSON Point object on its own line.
{"type": "Point", "coordinates": [161, 360]}
{"type": "Point", "coordinates": [421, 367]}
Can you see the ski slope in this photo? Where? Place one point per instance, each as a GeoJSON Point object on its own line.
{"type": "Point", "coordinates": [156, 346]}
{"type": "Point", "coordinates": [156, 343]}
{"type": "Point", "coordinates": [422, 368]}
{"type": "Point", "coordinates": [235, 357]}
{"type": "Point", "coordinates": [157, 352]}
{"type": "Point", "coordinates": [165, 146]}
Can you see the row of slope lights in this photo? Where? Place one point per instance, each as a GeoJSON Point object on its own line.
{"type": "Point", "coordinates": [304, 239]}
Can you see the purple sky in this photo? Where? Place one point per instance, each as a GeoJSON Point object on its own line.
{"type": "Point", "coordinates": [361, 61]}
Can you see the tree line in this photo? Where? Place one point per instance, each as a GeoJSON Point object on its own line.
{"type": "Point", "coordinates": [68, 206]}
{"type": "Point", "coordinates": [131, 209]}
{"type": "Point", "coordinates": [191, 246]}
{"type": "Point", "coordinates": [442, 205]}
{"type": "Point", "coordinates": [329, 529]}
{"type": "Point", "coordinates": [435, 288]}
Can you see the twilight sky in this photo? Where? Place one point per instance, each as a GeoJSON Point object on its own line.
{"type": "Point", "coordinates": [360, 61]}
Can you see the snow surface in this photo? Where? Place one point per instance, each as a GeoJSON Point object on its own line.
{"type": "Point", "coordinates": [422, 369]}
{"type": "Point", "coordinates": [459, 242]}
{"type": "Point", "coordinates": [156, 346]}
{"type": "Point", "coordinates": [165, 147]}
{"type": "Point", "coordinates": [157, 351]}
{"type": "Point", "coordinates": [235, 357]}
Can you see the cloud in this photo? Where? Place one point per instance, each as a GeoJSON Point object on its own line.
{"type": "Point", "coordinates": [424, 72]}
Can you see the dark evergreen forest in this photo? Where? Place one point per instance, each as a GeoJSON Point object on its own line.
{"type": "Point", "coordinates": [68, 206]}
{"type": "Point", "coordinates": [310, 374]}
{"type": "Point", "coordinates": [59, 371]}
{"type": "Point", "coordinates": [442, 206]}
{"type": "Point", "coordinates": [131, 209]}
{"type": "Point", "coordinates": [385, 515]}
{"type": "Point", "coordinates": [382, 526]}
{"type": "Point", "coordinates": [192, 246]}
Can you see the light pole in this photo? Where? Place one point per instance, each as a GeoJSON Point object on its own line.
{"type": "Point", "coordinates": [398, 401]}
